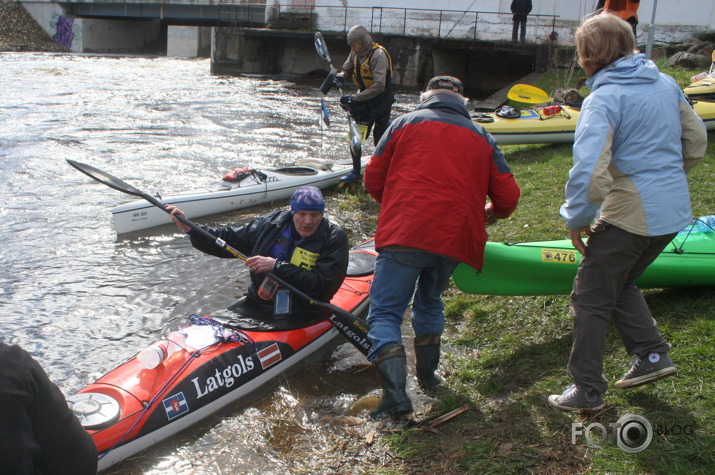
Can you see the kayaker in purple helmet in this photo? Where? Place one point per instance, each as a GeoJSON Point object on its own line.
{"type": "Point", "coordinates": [298, 245]}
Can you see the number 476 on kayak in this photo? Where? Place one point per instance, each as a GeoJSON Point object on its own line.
{"type": "Point", "coordinates": [559, 256]}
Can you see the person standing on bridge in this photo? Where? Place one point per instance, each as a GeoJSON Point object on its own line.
{"type": "Point", "coordinates": [626, 9]}
{"type": "Point", "coordinates": [520, 9]}
{"type": "Point", "coordinates": [370, 67]}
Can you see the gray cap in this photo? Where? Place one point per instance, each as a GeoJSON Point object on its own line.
{"type": "Point", "coordinates": [446, 82]}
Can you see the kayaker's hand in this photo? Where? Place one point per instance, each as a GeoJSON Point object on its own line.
{"type": "Point", "coordinates": [577, 240]}
{"type": "Point", "coordinates": [346, 101]}
{"type": "Point", "coordinates": [489, 216]}
{"type": "Point", "coordinates": [260, 264]}
{"type": "Point", "coordinates": [173, 210]}
{"type": "Point", "coordinates": [338, 81]}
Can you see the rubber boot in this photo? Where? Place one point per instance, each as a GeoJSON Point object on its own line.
{"type": "Point", "coordinates": [392, 365]}
{"type": "Point", "coordinates": [427, 351]}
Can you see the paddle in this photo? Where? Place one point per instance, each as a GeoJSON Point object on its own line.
{"type": "Point", "coordinates": [528, 94]}
{"type": "Point", "coordinates": [355, 138]}
{"type": "Point", "coordinates": [352, 327]}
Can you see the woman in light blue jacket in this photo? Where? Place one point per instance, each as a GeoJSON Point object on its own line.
{"type": "Point", "coordinates": [636, 138]}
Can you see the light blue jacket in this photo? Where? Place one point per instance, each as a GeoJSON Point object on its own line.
{"type": "Point", "coordinates": [636, 138]}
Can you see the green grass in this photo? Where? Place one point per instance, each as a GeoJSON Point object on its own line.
{"type": "Point", "coordinates": [507, 354]}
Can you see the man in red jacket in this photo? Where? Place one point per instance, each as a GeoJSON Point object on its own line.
{"type": "Point", "coordinates": [432, 172]}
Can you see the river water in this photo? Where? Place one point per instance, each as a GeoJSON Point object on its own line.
{"type": "Point", "coordinates": [81, 299]}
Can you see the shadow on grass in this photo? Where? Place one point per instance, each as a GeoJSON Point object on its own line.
{"type": "Point", "coordinates": [680, 439]}
{"type": "Point", "coordinates": [524, 366]}
{"type": "Point", "coordinates": [494, 436]}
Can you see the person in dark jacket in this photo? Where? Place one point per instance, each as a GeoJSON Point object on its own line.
{"type": "Point", "coordinates": [38, 432]}
{"type": "Point", "coordinates": [299, 246]}
{"type": "Point", "coordinates": [433, 210]}
{"type": "Point", "coordinates": [520, 9]}
{"type": "Point", "coordinates": [369, 65]}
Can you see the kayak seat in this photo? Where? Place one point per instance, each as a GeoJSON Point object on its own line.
{"type": "Point", "coordinates": [483, 117]}
{"type": "Point", "coordinates": [302, 171]}
{"type": "Point", "coordinates": [361, 263]}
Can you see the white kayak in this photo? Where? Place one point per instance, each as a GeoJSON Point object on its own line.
{"type": "Point", "coordinates": [257, 188]}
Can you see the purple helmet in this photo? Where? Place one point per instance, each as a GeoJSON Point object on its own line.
{"type": "Point", "coordinates": [307, 198]}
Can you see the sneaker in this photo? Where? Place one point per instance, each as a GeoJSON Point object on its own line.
{"type": "Point", "coordinates": [577, 398]}
{"type": "Point", "coordinates": [647, 370]}
{"type": "Point", "coordinates": [352, 176]}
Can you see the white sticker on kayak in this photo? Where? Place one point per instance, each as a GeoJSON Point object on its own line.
{"type": "Point", "coordinates": [560, 256]}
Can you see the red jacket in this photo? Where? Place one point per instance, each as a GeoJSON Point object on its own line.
{"type": "Point", "coordinates": [431, 173]}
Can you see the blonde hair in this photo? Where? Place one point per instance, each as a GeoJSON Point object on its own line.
{"type": "Point", "coordinates": [603, 39]}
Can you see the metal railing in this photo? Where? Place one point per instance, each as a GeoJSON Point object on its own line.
{"type": "Point", "coordinates": [453, 24]}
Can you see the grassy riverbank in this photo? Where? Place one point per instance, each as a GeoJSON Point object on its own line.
{"type": "Point", "coordinates": [505, 355]}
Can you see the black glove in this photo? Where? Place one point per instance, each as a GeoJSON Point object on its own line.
{"type": "Point", "coordinates": [346, 100]}
{"type": "Point", "coordinates": [339, 79]}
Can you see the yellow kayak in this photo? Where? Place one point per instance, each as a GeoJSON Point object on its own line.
{"type": "Point", "coordinates": [703, 90]}
{"type": "Point", "coordinates": [539, 125]}
{"type": "Point", "coordinates": [532, 126]}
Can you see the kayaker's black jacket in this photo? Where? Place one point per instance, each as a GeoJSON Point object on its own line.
{"type": "Point", "coordinates": [258, 237]}
{"type": "Point", "coordinates": [38, 432]}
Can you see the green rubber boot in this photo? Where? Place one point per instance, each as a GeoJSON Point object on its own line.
{"type": "Point", "coordinates": [392, 364]}
{"type": "Point", "coordinates": [427, 351]}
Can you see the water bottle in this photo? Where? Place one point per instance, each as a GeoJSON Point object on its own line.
{"type": "Point", "coordinates": [177, 342]}
{"type": "Point", "coordinates": [152, 356]}
{"type": "Point", "coordinates": [268, 288]}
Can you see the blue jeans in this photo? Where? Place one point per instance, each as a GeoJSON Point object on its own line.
{"type": "Point", "coordinates": [397, 274]}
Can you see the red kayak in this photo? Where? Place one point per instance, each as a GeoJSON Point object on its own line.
{"type": "Point", "coordinates": [132, 408]}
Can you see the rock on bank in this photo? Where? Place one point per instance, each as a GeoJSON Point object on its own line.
{"type": "Point", "coordinates": [20, 32]}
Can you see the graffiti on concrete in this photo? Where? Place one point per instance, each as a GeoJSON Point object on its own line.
{"type": "Point", "coordinates": [64, 31]}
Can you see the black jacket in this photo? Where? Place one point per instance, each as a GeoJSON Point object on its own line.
{"type": "Point", "coordinates": [259, 236]}
{"type": "Point", "coordinates": [38, 432]}
{"type": "Point", "coordinates": [520, 9]}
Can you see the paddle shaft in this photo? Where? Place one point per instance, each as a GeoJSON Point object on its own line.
{"type": "Point", "coordinates": [352, 327]}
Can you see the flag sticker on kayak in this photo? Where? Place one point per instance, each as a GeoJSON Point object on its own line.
{"type": "Point", "coordinates": [175, 405]}
{"type": "Point", "coordinates": [269, 355]}
{"type": "Point", "coordinates": [560, 256]}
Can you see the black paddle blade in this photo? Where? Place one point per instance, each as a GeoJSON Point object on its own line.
{"type": "Point", "coordinates": [104, 177]}
{"type": "Point", "coordinates": [329, 82]}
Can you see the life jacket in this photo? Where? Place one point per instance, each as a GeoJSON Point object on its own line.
{"type": "Point", "coordinates": [362, 74]}
{"type": "Point", "coordinates": [626, 9]}
{"type": "Point", "coordinates": [286, 249]}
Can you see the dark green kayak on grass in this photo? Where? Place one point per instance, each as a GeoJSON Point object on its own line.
{"type": "Point", "coordinates": [549, 267]}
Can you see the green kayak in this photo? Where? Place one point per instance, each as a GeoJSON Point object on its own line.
{"type": "Point", "coordinates": [549, 267]}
